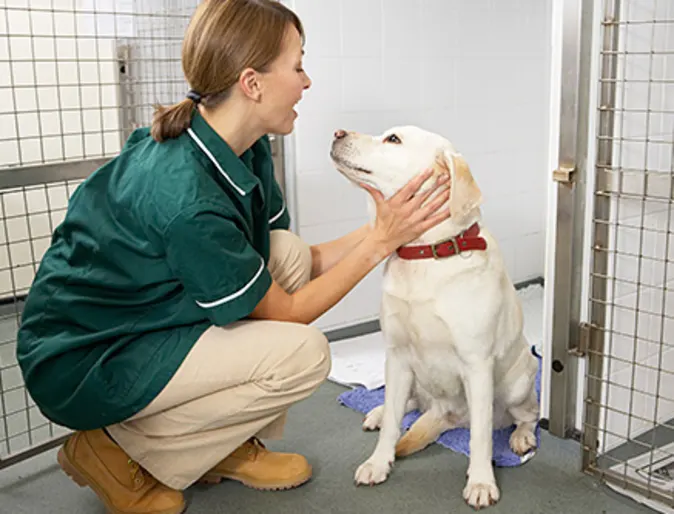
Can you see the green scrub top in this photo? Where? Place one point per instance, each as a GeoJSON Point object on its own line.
{"type": "Point", "coordinates": [157, 245]}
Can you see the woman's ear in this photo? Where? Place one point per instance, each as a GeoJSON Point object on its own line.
{"type": "Point", "coordinates": [465, 195]}
{"type": "Point", "coordinates": [250, 84]}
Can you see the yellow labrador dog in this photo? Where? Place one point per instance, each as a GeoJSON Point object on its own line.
{"type": "Point", "coordinates": [450, 316]}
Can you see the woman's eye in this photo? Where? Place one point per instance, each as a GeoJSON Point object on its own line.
{"type": "Point", "coordinates": [393, 139]}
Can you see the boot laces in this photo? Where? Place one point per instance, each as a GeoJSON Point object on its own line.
{"type": "Point", "coordinates": [254, 446]}
{"type": "Point", "coordinates": [136, 472]}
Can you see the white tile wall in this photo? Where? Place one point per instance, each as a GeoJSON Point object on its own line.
{"type": "Point", "coordinates": [60, 102]}
{"type": "Point", "coordinates": [155, 52]}
{"type": "Point", "coordinates": [60, 98]}
{"type": "Point", "coordinates": [640, 354]}
{"type": "Point", "coordinates": [481, 81]}
{"type": "Point", "coordinates": [28, 217]}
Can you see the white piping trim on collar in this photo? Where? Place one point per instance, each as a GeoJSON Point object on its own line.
{"type": "Point", "coordinates": [214, 161]}
{"type": "Point", "coordinates": [233, 296]}
{"type": "Point", "coordinates": [278, 215]}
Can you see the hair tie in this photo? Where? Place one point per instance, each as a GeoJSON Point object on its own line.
{"type": "Point", "coordinates": [194, 96]}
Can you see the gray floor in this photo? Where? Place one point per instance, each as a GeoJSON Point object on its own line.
{"type": "Point", "coordinates": [661, 435]}
{"type": "Point", "coordinates": [330, 436]}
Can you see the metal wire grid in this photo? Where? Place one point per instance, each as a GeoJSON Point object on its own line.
{"type": "Point", "coordinates": [76, 77]}
{"type": "Point", "coordinates": [630, 405]}
{"type": "Point", "coordinates": [29, 215]}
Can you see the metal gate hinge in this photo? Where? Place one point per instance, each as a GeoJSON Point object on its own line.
{"type": "Point", "coordinates": [584, 334]}
{"type": "Point", "coordinates": [564, 174]}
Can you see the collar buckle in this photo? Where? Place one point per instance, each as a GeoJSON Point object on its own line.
{"type": "Point", "coordinates": [455, 245]}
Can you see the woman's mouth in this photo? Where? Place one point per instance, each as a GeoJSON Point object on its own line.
{"type": "Point", "coordinates": [295, 106]}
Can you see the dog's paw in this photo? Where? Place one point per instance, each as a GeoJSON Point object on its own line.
{"type": "Point", "coordinates": [479, 495]}
{"type": "Point", "coordinates": [373, 471]}
{"type": "Point", "coordinates": [522, 441]}
{"type": "Point", "coordinates": [374, 418]}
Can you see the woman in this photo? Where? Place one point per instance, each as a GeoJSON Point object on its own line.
{"type": "Point", "coordinates": [168, 324]}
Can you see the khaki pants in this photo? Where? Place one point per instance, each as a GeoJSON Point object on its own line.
{"type": "Point", "coordinates": [237, 382]}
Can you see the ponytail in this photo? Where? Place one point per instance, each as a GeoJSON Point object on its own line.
{"type": "Point", "coordinates": [170, 122]}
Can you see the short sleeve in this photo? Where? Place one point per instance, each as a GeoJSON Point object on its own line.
{"type": "Point", "coordinates": [279, 218]}
{"type": "Point", "coordinates": [216, 264]}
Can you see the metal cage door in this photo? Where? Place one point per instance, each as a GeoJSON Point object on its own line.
{"type": "Point", "coordinates": [628, 436]}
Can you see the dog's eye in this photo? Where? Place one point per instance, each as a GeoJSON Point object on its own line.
{"type": "Point", "coordinates": [393, 139]}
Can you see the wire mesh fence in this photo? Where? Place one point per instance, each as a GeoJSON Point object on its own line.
{"type": "Point", "coordinates": [29, 216]}
{"type": "Point", "coordinates": [629, 425]}
{"type": "Point", "coordinates": [76, 77]}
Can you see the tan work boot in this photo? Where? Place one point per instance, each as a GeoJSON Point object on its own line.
{"type": "Point", "coordinates": [255, 466]}
{"type": "Point", "coordinates": [93, 459]}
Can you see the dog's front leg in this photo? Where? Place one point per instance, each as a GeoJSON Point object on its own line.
{"type": "Point", "coordinates": [481, 489]}
{"type": "Point", "coordinates": [398, 385]}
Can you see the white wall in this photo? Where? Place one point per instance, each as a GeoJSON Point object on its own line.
{"type": "Point", "coordinates": [480, 80]}
{"type": "Point", "coordinates": [641, 318]}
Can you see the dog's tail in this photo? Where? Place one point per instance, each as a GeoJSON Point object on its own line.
{"type": "Point", "coordinates": [424, 432]}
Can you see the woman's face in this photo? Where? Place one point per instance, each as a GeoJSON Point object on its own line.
{"type": "Point", "coordinates": [283, 85]}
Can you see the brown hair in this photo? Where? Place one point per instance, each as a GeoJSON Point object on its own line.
{"type": "Point", "coordinates": [224, 37]}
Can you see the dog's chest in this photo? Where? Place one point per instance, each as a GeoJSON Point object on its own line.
{"type": "Point", "coordinates": [424, 307]}
{"type": "Point", "coordinates": [422, 338]}
{"type": "Point", "coordinates": [424, 317]}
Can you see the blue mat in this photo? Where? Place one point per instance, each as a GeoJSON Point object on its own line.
{"type": "Point", "coordinates": [364, 400]}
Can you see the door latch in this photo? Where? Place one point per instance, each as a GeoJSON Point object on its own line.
{"type": "Point", "coordinates": [583, 345]}
{"type": "Point", "coordinates": [564, 174]}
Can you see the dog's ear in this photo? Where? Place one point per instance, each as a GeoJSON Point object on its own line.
{"type": "Point", "coordinates": [465, 195]}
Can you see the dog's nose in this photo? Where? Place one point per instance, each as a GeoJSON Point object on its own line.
{"type": "Point", "coordinates": [340, 134]}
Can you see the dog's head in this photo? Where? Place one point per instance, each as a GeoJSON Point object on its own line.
{"type": "Point", "coordinates": [390, 160]}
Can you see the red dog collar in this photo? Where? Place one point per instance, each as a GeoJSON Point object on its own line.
{"type": "Point", "coordinates": [467, 240]}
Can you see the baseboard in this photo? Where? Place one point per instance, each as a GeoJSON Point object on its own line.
{"type": "Point", "coordinates": [12, 305]}
{"type": "Point", "coordinates": [359, 329]}
{"type": "Point", "coordinates": [540, 281]}
{"type": "Point", "coordinates": [11, 300]}
{"type": "Point", "coordinates": [369, 327]}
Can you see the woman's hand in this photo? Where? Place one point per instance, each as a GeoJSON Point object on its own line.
{"type": "Point", "coordinates": [402, 218]}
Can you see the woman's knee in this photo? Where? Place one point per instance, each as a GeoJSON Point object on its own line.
{"type": "Point", "coordinates": [309, 365]}
{"type": "Point", "coordinates": [290, 260]}
{"type": "Point", "coordinates": [316, 351]}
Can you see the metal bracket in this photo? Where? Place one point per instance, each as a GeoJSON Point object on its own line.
{"type": "Point", "coordinates": [278, 156]}
{"type": "Point", "coordinates": [564, 174]}
{"type": "Point", "coordinates": [274, 142]}
{"type": "Point", "coordinates": [584, 334]}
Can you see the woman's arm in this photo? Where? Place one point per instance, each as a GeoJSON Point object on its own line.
{"type": "Point", "coordinates": [325, 255]}
{"type": "Point", "coordinates": [399, 220]}
{"type": "Point", "coordinates": [320, 294]}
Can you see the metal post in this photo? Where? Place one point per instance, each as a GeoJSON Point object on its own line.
{"type": "Point", "coordinates": [602, 211]}
{"type": "Point", "coordinates": [571, 184]}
